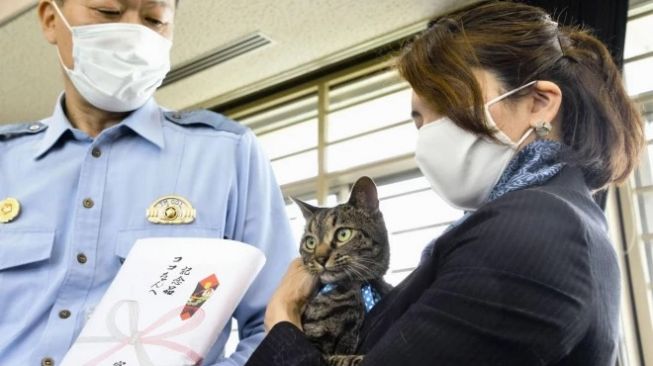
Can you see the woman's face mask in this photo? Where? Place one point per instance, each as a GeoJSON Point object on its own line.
{"type": "Point", "coordinates": [117, 67]}
{"type": "Point", "coordinates": [461, 166]}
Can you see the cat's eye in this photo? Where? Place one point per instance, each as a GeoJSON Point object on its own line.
{"type": "Point", "coordinates": [310, 243]}
{"type": "Point", "coordinates": [343, 235]}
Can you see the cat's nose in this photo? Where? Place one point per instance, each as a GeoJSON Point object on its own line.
{"type": "Point", "coordinates": [321, 260]}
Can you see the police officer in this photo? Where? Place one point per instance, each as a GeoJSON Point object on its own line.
{"type": "Point", "coordinates": [78, 188]}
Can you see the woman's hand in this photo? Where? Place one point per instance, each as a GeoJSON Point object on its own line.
{"type": "Point", "coordinates": [288, 300]}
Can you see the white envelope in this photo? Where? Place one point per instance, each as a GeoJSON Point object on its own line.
{"type": "Point", "coordinates": [168, 303]}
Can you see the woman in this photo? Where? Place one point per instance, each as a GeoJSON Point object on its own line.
{"type": "Point", "coordinates": [519, 121]}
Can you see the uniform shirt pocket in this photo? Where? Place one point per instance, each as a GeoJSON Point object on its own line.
{"type": "Point", "coordinates": [18, 248]}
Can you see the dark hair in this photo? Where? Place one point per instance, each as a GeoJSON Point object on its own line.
{"type": "Point", "coordinates": [520, 43]}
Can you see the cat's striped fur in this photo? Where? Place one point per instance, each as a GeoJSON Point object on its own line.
{"type": "Point", "coordinates": [345, 246]}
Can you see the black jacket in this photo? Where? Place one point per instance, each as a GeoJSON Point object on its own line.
{"type": "Point", "coordinates": [529, 279]}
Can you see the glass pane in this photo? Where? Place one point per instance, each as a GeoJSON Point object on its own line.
{"type": "Point", "coordinates": [638, 76]}
{"type": "Point", "coordinates": [649, 127]}
{"type": "Point", "coordinates": [648, 248]}
{"type": "Point", "coordinates": [417, 210]}
{"type": "Point", "coordinates": [644, 174]}
{"type": "Point", "coordinates": [366, 87]}
{"type": "Point", "coordinates": [374, 114]}
{"type": "Point", "coordinates": [232, 342]}
{"type": "Point", "coordinates": [394, 278]}
{"type": "Point", "coordinates": [282, 115]}
{"type": "Point", "coordinates": [406, 249]}
{"type": "Point", "coordinates": [380, 145]}
{"type": "Point", "coordinates": [289, 140]}
{"type": "Point", "coordinates": [408, 185]}
{"type": "Point", "coordinates": [297, 227]}
{"type": "Point", "coordinates": [295, 168]}
{"type": "Point", "coordinates": [646, 211]}
{"type": "Point", "coordinates": [638, 36]}
{"type": "Point", "coordinates": [296, 221]}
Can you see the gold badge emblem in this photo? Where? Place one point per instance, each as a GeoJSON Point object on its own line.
{"type": "Point", "coordinates": [9, 210]}
{"type": "Point", "coordinates": [171, 210]}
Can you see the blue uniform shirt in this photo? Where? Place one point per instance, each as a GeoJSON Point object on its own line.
{"type": "Point", "coordinates": [83, 204]}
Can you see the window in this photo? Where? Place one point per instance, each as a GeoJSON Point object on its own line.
{"type": "Point", "coordinates": [288, 134]}
{"type": "Point", "coordinates": [636, 197]}
{"type": "Point", "coordinates": [414, 217]}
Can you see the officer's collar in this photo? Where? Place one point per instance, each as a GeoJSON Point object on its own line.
{"type": "Point", "coordinates": [145, 121]}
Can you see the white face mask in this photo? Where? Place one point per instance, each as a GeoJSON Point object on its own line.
{"type": "Point", "coordinates": [117, 66]}
{"type": "Point", "coordinates": [461, 166]}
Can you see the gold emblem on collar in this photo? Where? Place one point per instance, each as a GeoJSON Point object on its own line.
{"type": "Point", "coordinates": [171, 210]}
{"type": "Point", "coordinates": [9, 210]}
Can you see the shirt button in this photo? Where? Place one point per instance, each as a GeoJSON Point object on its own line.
{"type": "Point", "coordinates": [81, 258]}
{"type": "Point", "coordinates": [47, 362]}
{"type": "Point", "coordinates": [34, 127]}
{"type": "Point", "coordinates": [88, 203]}
{"type": "Point", "coordinates": [64, 314]}
{"type": "Point", "coordinates": [96, 152]}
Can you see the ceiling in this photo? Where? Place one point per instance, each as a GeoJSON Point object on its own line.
{"type": "Point", "coordinates": [306, 35]}
{"type": "Point", "coordinates": [9, 9]}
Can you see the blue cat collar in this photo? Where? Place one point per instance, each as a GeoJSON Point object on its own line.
{"type": "Point", "coordinates": [368, 293]}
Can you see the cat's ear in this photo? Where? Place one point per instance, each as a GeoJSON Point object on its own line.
{"type": "Point", "coordinates": [364, 195]}
{"type": "Point", "coordinates": [307, 210]}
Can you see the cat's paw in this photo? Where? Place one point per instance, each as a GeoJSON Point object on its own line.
{"type": "Point", "coordinates": [345, 360]}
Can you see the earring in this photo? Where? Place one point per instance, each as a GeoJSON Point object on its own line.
{"type": "Point", "coordinates": [542, 128]}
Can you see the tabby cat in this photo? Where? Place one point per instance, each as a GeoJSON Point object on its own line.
{"type": "Point", "coordinates": [346, 248]}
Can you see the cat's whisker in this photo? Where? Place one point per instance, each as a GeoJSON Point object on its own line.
{"type": "Point", "coordinates": [351, 271]}
{"type": "Point", "coordinates": [364, 271]}
{"type": "Point", "coordinates": [362, 263]}
{"type": "Point", "coordinates": [357, 273]}
{"type": "Point", "coordinates": [371, 267]}
{"type": "Point", "coordinates": [354, 275]}
{"type": "Point", "coordinates": [349, 275]}
{"type": "Point", "coordinates": [367, 260]}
